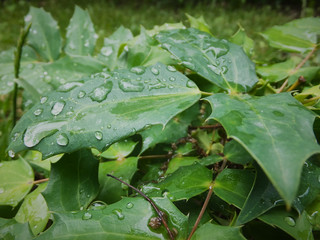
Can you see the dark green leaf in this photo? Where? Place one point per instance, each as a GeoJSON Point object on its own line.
{"type": "Point", "coordinates": [81, 37]}
{"type": "Point", "coordinates": [235, 153]}
{"type": "Point", "coordinates": [112, 190]}
{"type": "Point", "coordinates": [184, 183]}
{"type": "Point", "coordinates": [297, 226]}
{"type": "Point", "coordinates": [233, 186]}
{"type": "Point", "coordinates": [240, 38]}
{"type": "Point", "coordinates": [44, 35]}
{"type": "Point", "coordinates": [103, 111]}
{"type": "Point", "coordinates": [115, 222]}
{"type": "Point", "coordinates": [118, 150]}
{"type": "Point", "coordinates": [16, 180]}
{"type": "Point", "coordinates": [199, 23]}
{"type": "Point", "coordinates": [73, 182]}
{"type": "Point", "coordinates": [10, 229]}
{"type": "Point", "coordinates": [221, 62]}
{"type": "Point", "coordinates": [34, 210]}
{"type": "Point", "coordinates": [263, 126]}
{"type": "Point", "coordinates": [214, 231]}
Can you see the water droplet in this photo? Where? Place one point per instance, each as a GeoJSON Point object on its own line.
{"type": "Point", "coordinates": [319, 178]}
{"type": "Point", "coordinates": [188, 64]}
{"type": "Point", "coordinates": [191, 84]}
{"type": "Point", "coordinates": [15, 137]}
{"type": "Point", "coordinates": [98, 135]}
{"type": "Point", "coordinates": [218, 50]}
{"type": "Point", "coordinates": [170, 86]}
{"type": "Point", "coordinates": [172, 79]}
{"type": "Point", "coordinates": [62, 139]}
{"type": "Point", "coordinates": [57, 108]}
{"type": "Point", "coordinates": [97, 205]}
{"type": "Point", "coordinates": [118, 213]}
{"type": "Point", "coordinates": [154, 71]}
{"type": "Point", "coordinates": [11, 153]}
{"type": "Point", "coordinates": [215, 69]}
{"type": "Point", "coordinates": [88, 195]}
{"type": "Point", "coordinates": [290, 221]}
{"type": "Point", "coordinates": [129, 205]}
{"type": "Point", "coordinates": [100, 93]}
{"type": "Point", "coordinates": [124, 186]}
{"type": "Point", "coordinates": [81, 94]}
{"type": "Point", "coordinates": [35, 226]}
{"type": "Point", "coordinates": [28, 18]}
{"type": "Point", "coordinates": [86, 216]}
{"type": "Point", "coordinates": [43, 100]}
{"type": "Point", "coordinates": [224, 69]}
{"type": "Point", "coordinates": [137, 70]}
{"type": "Point", "coordinates": [109, 126]}
{"type": "Point", "coordinates": [106, 51]}
{"type": "Point", "coordinates": [171, 68]}
{"type": "Point", "coordinates": [30, 66]}
{"type": "Point", "coordinates": [69, 86]}
{"type": "Point", "coordinates": [86, 43]}
{"type": "Point", "coordinates": [81, 208]}
{"type": "Point", "coordinates": [128, 85]}
{"type": "Point", "coordinates": [37, 112]}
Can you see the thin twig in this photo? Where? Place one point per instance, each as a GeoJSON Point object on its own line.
{"type": "Point", "coordinates": [300, 80]}
{"type": "Point", "coordinates": [18, 52]}
{"type": "Point", "coordinates": [154, 156]}
{"type": "Point", "coordinates": [40, 181]}
{"type": "Point", "coordinates": [283, 86]}
{"type": "Point", "coordinates": [160, 214]}
{"type": "Point", "coordinates": [203, 209]}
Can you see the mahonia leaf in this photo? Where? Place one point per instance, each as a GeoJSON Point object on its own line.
{"type": "Point", "coordinates": [104, 110]}
{"type": "Point", "coordinates": [219, 61]}
{"type": "Point", "coordinates": [263, 126]}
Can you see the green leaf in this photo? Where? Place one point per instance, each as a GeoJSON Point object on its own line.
{"type": "Point", "coordinates": [34, 210]}
{"type": "Point", "coordinates": [115, 222]}
{"type": "Point", "coordinates": [81, 37]}
{"type": "Point", "coordinates": [73, 182]}
{"type": "Point", "coordinates": [199, 23]}
{"type": "Point", "coordinates": [10, 229]}
{"type": "Point", "coordinates": [297, 226]}
{"type": "Point", "coordinates": [297, 36]}
{"type": "Point", "coordinates": [167, 26]}
{"type": "Point", "coordinates": [113, 46]}
{"type": "Point", "coordinates": [112, 190]}
{"type": "Point", "coordinates": [16, 180]}
{"type": "Point", "coordinates": [259, 124]}
{"type": "Point", "coordinates": [103, 111]}
{"type": "Point", "coordinates": [44, 36]}
{"type": "Point", "coordinates": [233, 186]}
{"type": "Point", "coordinates": [214, 231]}
{"type": "Point", "coordinates": [72, 68]}
{"type": "Point", "coordinates": [174, 130]}
{"type": "Point", "coordinates": [240, 38]}
{"type": "Point", "coordinates": [234, 152]}
{"type": "Point", "coordinates": [184, 183]}
{"type": "Point", "coordinates": [219, 61]}
{"type": "Point", "coordinates": [119, 150]}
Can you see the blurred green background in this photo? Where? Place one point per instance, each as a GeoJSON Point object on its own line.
{"type": "Point", "coordinates": [107, 15]}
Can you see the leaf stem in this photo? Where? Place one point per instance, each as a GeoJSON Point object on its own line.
{"type": "Point", "coordinates": [17, 60]}
{"type": "Point", "coordinates": [206, 94]}
{"type": "Point", "coordinates": [40, 181]}
{"type": "Point", "coordinates": [300, 80]}
{"type": "Point", "coordinates": [203, 209]}
{"type": "Point", "coordinates": [283, 86]}
{"type": "Point", "coordinates": [160, 214]}
{"type": "Point", "coordinates": [311, 99]}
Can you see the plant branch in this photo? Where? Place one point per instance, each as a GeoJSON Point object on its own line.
{"type": "Point", "coordinates": [300, 80]}
{"type": "Point", "coordinates": [154, 156]}
{"type": "Point", "coordinates": [17, 60]}
{"type": "Point", "coordinates": [283, 86]}
{"type": "Point", "coordinates": [160, 214]}
{"type": "Point", "coordinates": [40, 181]}
{"type": "Point", "coordinates": [203, 209]}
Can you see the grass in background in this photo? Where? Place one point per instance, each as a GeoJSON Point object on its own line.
{"type": "Point", "coordinates": [108, 16]}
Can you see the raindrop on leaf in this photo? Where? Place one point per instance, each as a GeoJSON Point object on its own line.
{"type": "Point", "coordinates": [62, 139]}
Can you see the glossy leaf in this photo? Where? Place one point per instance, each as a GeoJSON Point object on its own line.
{"type": "Point", "coordinates": [258, 122]}
{"type": "Point", "coordinates": [16, 180]}
{"type": "Point", "coordinates": [115, 222]}
{"type": "Point", "coordinates": [118, 150]}
{"type": "Point", "coordinates": [81, 37]}
{"type": "Point", "coordinates": [233, 186]}
{"type": "Point", "coordinates": [103, 111]}
{"type": "Point", "coordinates": [174, 130]}
{"type": "Point", "coordinates": [214, 231]}
{"type": "Point", "coordinates": [234, 152]}
{"type": "Point", "coordinates": [112, 190]}
{"type": "Point", "coordinates": [297, 36]}
{"type": "Point", "coordinates": [184, 183]}
{"type": "Point", "coordinates": [34, 210]}
{"type": "Point", "coordinates": [240, 38]}
{"type": "Point", "coordinates": [297, 226]}
{"type": "Point", "coordinates": [167, 26]}
{"type": "Point", "coordinates": [219, 61]}
{"type": "Point", "coordinates": [198, 23]}
{"type": "Point", "coordinates": [44, 35]}
{"type": "Point", "coordinates": [73, 182]}
{"type": "Point", "coordinates": [10, 229]}
{"type": "Point", "coordinates": [113, 46]}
